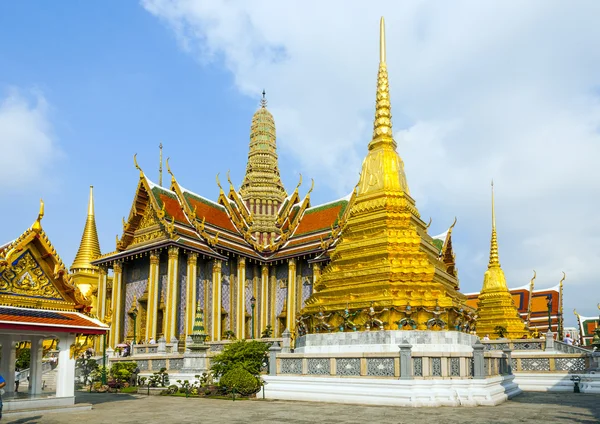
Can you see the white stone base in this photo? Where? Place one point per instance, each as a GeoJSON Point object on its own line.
{"type": "Point", "coordinates": [37, 403]}
{"type": "Point", "coordinates": [385, 341]}
{"type": "Point", "coordinates": [556, 382]}
{"type": "Point", "coordinates": [372, 391]}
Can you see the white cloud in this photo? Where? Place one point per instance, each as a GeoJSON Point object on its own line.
{"type": "Point", "coordinates": [27, 146]}
{"type": "Point", "coordinates": [507, 90]}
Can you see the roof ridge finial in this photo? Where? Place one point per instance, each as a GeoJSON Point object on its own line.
{"type": "Point", "coordinates": [263, 101]}
{"type": "Point", "coordinates": [494, 259]}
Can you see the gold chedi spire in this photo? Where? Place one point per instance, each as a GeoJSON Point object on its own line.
{"type": "Point", "coordinates": [262, 189]}
{"type": "Point", "coordinates": [496, 307]}
{"type": "Point", "coordinates": [89, 248]}
{"type": "Point", "coordinates": [385, 255]}
{"type": "Point", "coordinates": [382, 169]}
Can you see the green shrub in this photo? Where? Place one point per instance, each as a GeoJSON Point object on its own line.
{"type": "Point", "coordinates": [241, 380]}
{"type": "Point", "coordinates": [122, 371]}
{"type": "Point", "coordinates": [248, 355]}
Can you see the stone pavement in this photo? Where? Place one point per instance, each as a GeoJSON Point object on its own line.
{"type": "Point", "coordinates": [122, 408]}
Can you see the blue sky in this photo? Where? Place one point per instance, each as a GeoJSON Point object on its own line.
{"type": "Point", "coordinates": [479, 91]}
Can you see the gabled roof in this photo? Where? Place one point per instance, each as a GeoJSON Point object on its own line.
{"type": "Point", "coordinates": [32, 274]}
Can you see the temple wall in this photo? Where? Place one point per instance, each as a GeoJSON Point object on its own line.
{"type": "Point", "coordinates": [135, 281]}
{"type": "Point", "coordinates": [307, 282]}
{"type": "Point", "coordinates": [281, 275]}
{"type": "Point", "coordinates": [225, 297]}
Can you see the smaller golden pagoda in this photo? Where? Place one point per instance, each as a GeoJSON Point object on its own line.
{"type": "Point", "coordinates": [496, 307]}
{"type": "Point", "coordinates": [84, 274]}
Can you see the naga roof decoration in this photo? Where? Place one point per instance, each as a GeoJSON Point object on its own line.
{"type": "Point", "coordinates": [32, 274]}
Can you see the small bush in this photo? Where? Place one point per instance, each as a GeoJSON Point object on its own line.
{"type": "Point", "coordinates": [241, 380]}
{"type": "Point", "coordinates": [248, 355]}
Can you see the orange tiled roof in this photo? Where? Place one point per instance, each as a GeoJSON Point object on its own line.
{"type": "Point", "coordinates": [321, 217]}
{"type": "Point", "coordinates": [172, 207]}
{"type": "Point", "coordinates": [59, 321]}
{"type": "Point", "coordinates": [214, 214]}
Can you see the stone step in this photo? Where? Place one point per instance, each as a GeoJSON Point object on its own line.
{"type": "Point", "coordinates": [80, 407]}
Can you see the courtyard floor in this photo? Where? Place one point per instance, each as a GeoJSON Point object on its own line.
{"type": "Point", "coordinates": [122, 408]}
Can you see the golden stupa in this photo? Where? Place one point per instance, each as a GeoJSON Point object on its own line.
{"type": "Point", "coordinates": [496, 307]}
{"type": "Point", "coordinates": [386, 271]}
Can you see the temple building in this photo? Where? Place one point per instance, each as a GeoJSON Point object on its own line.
{"type": "Point", "coordinates": [39, 301]}
{"type": "Point", "coordinates": [495, 306]}
{"type": "Point", "coordinates": [587, 328]}
{"type": "Point", "coordinates": [258, 250]}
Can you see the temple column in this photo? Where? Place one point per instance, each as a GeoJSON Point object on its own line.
{"type": "Point", "coordinates": [101, 301]}
{"type": "Point", "coordinates": [240, 331]}
{"type": "Point", "coordinates": [273, 299]}
{"type": "Point", "coordinates": [7, 362]}
{"type": "Point", "coordinates": [153, 293]}
{"type": "Point", "coordinates": [216, 301]}
{"type": "Point", "coordinates": [264, 297]}
{"type": "Point", "coordinates": [172, 298]}
{"type": "Point", "coordinates": [191, 296]}
{"type": "Point", "coordinates": [35, 365]}
{"type": "Point", "coordinates": [298, 287]}
{"type": "Point", "coordinates": [291, 295]}
{"type": "Point", "coordinates": [316, 275]}
{"type": "Point", "coordinates": [65, 374]}
{"type": "Point", "coordinates": [117, 305]}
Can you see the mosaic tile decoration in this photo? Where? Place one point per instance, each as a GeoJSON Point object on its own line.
{"type": "Point", "coordinates": [535, 364]}
{"type": "Point", "coordinates": [454, 367]}
{"type": "Point", "coordinates": [142, 364]}
{"type": "Point", "coordinates": [137, 271]}
{"type": "Point", "coordinates": [207, 314]}
{"type": "Point", "coordinates": [347, 366]}
{"type": "Point", "coordinates": [291, 366]}
{"type": "Point", "coordinates": [318, 366]}
{"type": "Point", "coordinates": [136, 288]}
{"type": "Point", "coordinates": [225, 292]}
{"type": "Point", "coordinates": [570, 364]}
{"type": "Point", "coordinates": [175, 364]}
{"type": "Point", "coordinates": [181, 308]}
{"type": "Point", "coordinates": [306, 289]}
{"type": "Point", "coordinates": [436, 367]}
{"type": "Point", "coordinates": [527, 346]}
{"type": "Point", "coordinates": [233, 313]}
{"type": "Point", "coordinates": [382, 367]}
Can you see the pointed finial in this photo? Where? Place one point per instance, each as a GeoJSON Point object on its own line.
{"type": "Point", "coordinates": [91, 202]}
{"type": "Point", "coordinates": [563, 279]}
{"type": "Point", "coordinates": [263, 101]}
{"type": "Point", "coordinates": [229, 181]}
{"type": "Point", "coordinates": [219, 183]}
{"type": "Point", "coordinates": [169, 170]}
{"type": "Point", "coordinates": [382, 40]}
{"type": "Point", "coordinates": [493, 208]}
{"type": "Point", "coordinates": [160, 166]}
{"type": "Point", "coordinates": [37, 225]}
{"type": "Point", "coordinates": [494, 260]}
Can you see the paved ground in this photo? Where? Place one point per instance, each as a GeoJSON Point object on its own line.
{"type": "Point", "coordinates": [117, 408]}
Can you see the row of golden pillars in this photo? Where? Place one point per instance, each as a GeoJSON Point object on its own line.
{"type": "Point", "coordinates": [263, 290]}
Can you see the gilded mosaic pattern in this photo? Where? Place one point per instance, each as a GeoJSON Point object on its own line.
{"type": "Point", "coordinates": [25, 277]}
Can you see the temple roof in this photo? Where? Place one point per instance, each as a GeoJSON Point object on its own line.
{"type": "Point", "coordinates": [30, 319]}
{"type": "Point", "coordinates": [33, 274]}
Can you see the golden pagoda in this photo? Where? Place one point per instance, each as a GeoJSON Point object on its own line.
{"type": "Point", "coordinates": [85, 275]}
{"type": "Point", "coordinates": [385, 270]}
{"type": "Point", "coordinates": [496, 307]}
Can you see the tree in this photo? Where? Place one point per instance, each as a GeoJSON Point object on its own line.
{"type": "Point", "coordinates": [88, 366]}
{"type": "Point", "coordinates": [248, 355]}
{"type": "Point", "coordinates": [23, 359]}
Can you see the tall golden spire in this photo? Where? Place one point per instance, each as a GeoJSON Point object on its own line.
{"type": "Point", "coordinates": [494, 258]}
{"type": "Point", "coordinates": [383, 169]}
{"type": "Point", "coordinates": [385, 254]}
{"type": "Point", "coordinates": [89, 248]}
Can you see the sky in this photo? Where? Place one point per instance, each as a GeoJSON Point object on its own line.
{"type": "Point", "coordinates": [508, 91]}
